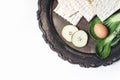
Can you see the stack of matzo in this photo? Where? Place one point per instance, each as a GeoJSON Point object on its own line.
{"type": "Point", "coordinates": [74, 10]}
{"type": "Point", "coordinates": [67, 10]}
{"type": "Point", "coordinates": [105, 8]}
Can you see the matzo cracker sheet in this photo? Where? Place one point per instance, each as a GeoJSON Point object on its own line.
{"type": "Point", "coordinates": [86, 9]}
{"type": "Point", "coordinates": [67, 10]}
{"type": "Point", "coordinates": [105, 8]}
{"type": "Point", "coordinates": [74, 10]}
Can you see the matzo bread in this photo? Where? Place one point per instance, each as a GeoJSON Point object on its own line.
{"type": "Point", "coordinates": [74, 10]}
{"type": "Point", "coordinates": [105, 8]}
{"type": "Point", "coordinates": [67, 10]}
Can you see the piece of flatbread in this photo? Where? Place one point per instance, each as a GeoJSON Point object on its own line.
{"type": "Point", "coordinates": [74, 10]}
{"type": "Point", "coordinates": [83, 6]}
{"type": "Point", "coordinates": [105, 8]}
{"type": "Point", "coordinates": [86, 9]}
{"type": "Point", "coordinates": [66, 10]}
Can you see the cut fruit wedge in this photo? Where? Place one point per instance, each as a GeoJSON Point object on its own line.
{"type": "Point", "coordinates": [68, 32]}
{"type": "Point", "coordinates": [80, 38]}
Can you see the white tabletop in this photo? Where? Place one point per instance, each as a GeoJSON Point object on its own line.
{"type": "Point", "coordinates": [24, 55]}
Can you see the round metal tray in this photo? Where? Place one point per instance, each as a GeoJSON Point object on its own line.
{"type": "Point", "coordinates": [50, 23]}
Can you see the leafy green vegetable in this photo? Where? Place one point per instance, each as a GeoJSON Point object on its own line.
{"type": "Point", "coordinates": [115, 41]}
{"type": "Point", "coordinates": [91, 28]}
{"type": "Point", "coordinates": [113, 22]}
{"type": "Point", "coordinates": [103, 47]}
{"type": "Point", "coordinates": [103, 51]}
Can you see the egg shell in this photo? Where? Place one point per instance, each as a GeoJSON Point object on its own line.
{"type": "Point", "coordinates": [100, 30]}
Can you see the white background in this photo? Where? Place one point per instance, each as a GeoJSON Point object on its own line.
{"type": "Point", "coordinates": [24, 55]}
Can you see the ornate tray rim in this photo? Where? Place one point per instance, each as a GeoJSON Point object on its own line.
{"type": "Point", "coordinates": [64, 51]}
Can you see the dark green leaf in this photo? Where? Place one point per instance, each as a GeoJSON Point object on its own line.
{"type": "Point", "coordinates": [91, 28]}
{"type": "Point", "coordinates": [103, 51]}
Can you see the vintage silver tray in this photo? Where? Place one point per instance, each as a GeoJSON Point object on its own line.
{"type": "Point", "coordinates": [51, 24]}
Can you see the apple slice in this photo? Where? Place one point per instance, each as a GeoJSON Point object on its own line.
{"type": "Point", "coordinates": [68, 31]}
{"type": "Point", "coordinates": [80, 38]}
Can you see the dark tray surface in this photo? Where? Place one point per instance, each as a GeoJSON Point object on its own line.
{"type": "Point", "coordinates": [51, 24]}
